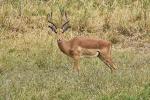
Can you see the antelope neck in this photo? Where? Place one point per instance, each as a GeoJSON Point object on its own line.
{"type": "Point", "coordinates": [62, 46]}
{"type": "Point", "coordinates": [60, 43]}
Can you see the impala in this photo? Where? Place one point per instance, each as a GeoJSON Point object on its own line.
{"type": "Point", "coordinates": [81, 46]}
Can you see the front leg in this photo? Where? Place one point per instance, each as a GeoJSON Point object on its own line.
{"type": "Point", "coordinates": [75, 53]}
{"type": "Point", "coordinates": [76, 63]}
{"type": "Point", "coordinates": [76, 59]}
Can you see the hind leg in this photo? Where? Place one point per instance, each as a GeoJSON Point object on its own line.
{"type": "Point", "coordinates": [106, 62]}
{"type": "Point", "coordinates": [109, 58]}
{"type": "Point", "coordinates": [105, 56]}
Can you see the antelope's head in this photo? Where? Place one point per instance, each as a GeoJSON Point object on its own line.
{"type": "Point", "coordinates": [58, 31]}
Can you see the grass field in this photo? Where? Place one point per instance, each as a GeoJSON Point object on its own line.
{"type": "Point", "coordinates": [33, 68]}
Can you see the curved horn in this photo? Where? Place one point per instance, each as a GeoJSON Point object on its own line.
{"type": "Point", "coordinates": [52, 26]}
{"type": "Point", "coordinates": [53, 29]}
{"type": "Point", "coordinates": [65, 24]}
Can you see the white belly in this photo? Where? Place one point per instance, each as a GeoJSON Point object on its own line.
{"type": "Point", "coordinates": [89, 52]}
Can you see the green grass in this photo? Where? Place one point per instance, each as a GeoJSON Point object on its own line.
{"type": "Point", "coordinates": [33, 68]}
{"type": "Point", "coordinates": [42, 72]}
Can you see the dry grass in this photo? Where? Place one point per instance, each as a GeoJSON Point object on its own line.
{"type": "Point", "coordinates": [32, 67]}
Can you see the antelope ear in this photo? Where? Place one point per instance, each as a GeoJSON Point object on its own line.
{"type": "Point", "coordinates": [53, 29]}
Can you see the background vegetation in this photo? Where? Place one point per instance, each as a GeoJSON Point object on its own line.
{"type": "Point", "coordinates": [33, 68]}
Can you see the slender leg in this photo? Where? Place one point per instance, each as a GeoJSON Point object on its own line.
{"type": "Point", "coordinates": [76, 58]}
{"type": "Point", "coordinates": [105, 56]}
{"type": "Point", "coordinates": [76, 65]}
{"type": "Point", "coordinates": [109, 58]}
{"type": "Point", "coordinates": [105, 61]}
{"type": "Point", "coordinates": [108, 61]}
